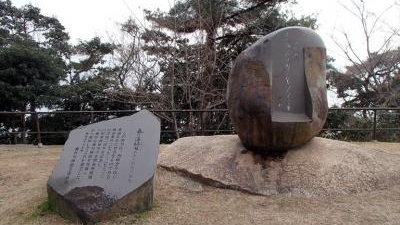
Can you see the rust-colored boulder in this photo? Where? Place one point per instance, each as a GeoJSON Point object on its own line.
{"type": "Point", "coordinates": [277, 91]}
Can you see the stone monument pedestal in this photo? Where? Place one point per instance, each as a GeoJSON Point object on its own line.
{"type": "Point", "coordinates": [320, 168]}
{"type": "Point", "coordinates": [90, 205]}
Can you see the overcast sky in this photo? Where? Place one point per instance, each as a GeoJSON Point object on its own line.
{"type": "Point", "coordinates": [84, 19]}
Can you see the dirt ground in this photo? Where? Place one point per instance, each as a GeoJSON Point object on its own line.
{"type": "Point", "coordinates": [24, 171]}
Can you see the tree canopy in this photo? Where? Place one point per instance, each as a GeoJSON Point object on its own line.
{"type": "Point", "coordinates": [372, 78]}
{"type": "Point", "coordinates": [32, 47]}
{"type": "Point", "coordinates": [195, 42]}
{"type": "Point", "coordinates": [181, 60]}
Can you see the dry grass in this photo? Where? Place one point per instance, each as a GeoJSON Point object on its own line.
{"type": "Point", "coordinates": [24, 171]}
{"type": "Point", "coordinates": [386, 146]}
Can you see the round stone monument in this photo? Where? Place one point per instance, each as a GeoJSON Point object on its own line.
{"type": "Point", "coordinates": [277, 90]}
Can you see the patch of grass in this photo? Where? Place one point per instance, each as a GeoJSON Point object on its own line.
{"type": "Point", "coordinates": [128, 219]}
{"type": "Point", "coordinates": [44, 207]}
{"type": "Point", "coordinates": [141, 215]}
{"type": "Point", "coordinates": [134, 218]}
{"type": "Point", "coordinates": [156, 204]}
{"type": "Point", "coordinates": [40, 210]}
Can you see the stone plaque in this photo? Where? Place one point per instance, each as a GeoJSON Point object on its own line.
{"type": "Point", "coordinates": [106, 169]}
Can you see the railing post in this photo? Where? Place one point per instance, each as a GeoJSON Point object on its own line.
{"type": "Point", "coordinates": [23, 136]}
{"type": "Point", "coordinates": [191, 123]}
{"type": "Point", "coordinates": [374, 129]}
{"type": "Point", "coordinates": [201, 124]}
{"type": "Point", "coordinates": [14, 135]}
{"type": "Point", "coordinates": [39, 137]}
{"type": "Point", "coordinates": [91, 115]}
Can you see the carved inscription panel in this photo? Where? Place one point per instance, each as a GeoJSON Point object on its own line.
{"type": "Point", "coordinates": [117, 155]}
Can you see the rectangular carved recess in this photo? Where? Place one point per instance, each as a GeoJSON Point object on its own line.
{"type": "Point", "coordinates": [291, 95]}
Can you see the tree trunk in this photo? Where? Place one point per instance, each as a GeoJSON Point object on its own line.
{"type": "Point", "coordinates": [172, 97]}
{"type": "Point", "coordinates": [208, 76]}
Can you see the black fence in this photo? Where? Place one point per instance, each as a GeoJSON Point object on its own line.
{"type": "Point", "coordinates": [356, 124]}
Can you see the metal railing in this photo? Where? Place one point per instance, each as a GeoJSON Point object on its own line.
{"type": "Point", "coordinates": [373, 128]}
{"type": "Point", "coordinates": [200, 129]}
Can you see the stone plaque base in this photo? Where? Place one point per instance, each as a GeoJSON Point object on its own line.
{"type": "Point", "coordinates": [89, 205]}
